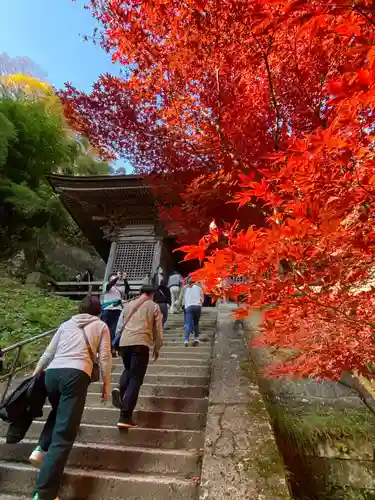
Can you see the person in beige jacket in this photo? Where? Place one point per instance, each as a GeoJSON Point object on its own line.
{"type": "Point", "coordinates": [140, 327]}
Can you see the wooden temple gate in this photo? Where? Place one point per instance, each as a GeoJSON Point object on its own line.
{"type": "Point", "coordinates": [118, 215]}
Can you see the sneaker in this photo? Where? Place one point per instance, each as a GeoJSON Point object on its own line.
{"type": "Point", "coordinates": [196, 342]}
{"type": "Point", "coordinates": [126, 423]}
{"type": "Point", "coordinates": [186, 343]}
{"type": "Point", "coordinates": [116, 399]}
{"type": "Point", "coordinates": [37, 457]}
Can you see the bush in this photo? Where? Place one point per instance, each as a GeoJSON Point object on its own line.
{"type": "Point", "coordinates": [26, 312]}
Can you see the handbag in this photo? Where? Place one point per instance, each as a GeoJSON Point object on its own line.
{"type": "Point", "coordinates": [116, 341]}
{"type": "Point", "coordinates": [95, 374]}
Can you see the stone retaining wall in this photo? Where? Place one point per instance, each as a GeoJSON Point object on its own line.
{"type": "Point", "coordinates": [325, 433]}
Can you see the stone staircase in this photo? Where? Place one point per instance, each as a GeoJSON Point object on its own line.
{"type": "Point", "coordinates": [159, 460]}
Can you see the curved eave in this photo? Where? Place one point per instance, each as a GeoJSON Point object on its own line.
{"type": "Point", "coordinates": [90, 200]}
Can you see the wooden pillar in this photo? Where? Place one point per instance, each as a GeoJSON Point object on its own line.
{"type": "Point", "coordinates": [111, 260]}
{"type": "Point", "coordinates": [157, 257]}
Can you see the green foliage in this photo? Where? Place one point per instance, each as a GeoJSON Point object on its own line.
{"type": "Point", "coordinates": [7, 133]}
{"type": "Point", "coordinates": [38, 145]}
{"type": "Point", "coordinates": [35, 142]}
{"type": "Point", "coordinates": [27, 312]}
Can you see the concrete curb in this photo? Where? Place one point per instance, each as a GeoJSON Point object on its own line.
{"type": "Point", "coordinates": [237, 442]}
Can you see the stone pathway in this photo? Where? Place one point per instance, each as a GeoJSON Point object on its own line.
{"type": "Point", "coordinates": [159, 460]}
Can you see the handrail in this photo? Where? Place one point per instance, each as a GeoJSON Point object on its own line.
{"type": "Point", "coordinates": [14, 369]}
{"type": "Point", "coordinates": [74, 283]}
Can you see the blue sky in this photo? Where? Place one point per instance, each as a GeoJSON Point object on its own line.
{"type": "Point", "coordinates": [50, 33]}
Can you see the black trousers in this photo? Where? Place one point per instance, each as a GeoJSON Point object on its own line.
{"type": "Point", "coordinates": [135, 359]}
{"type": "Point", "coordinates": [67, 390]}
{"type": "Point", "coordinates": [163, 306]}
{"type": "Point", "coordinates": [110, 318]}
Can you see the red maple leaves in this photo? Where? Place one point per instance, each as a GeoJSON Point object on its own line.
{"type": "Point", "coordinates": [260, 112]}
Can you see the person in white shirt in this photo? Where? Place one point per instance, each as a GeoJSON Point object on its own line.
{"type": "Point", "coordinates": [193, 300]}
{"type": "Point", "coordinates": [112, 305]}
{"type": "Point", "coordinates": [174, 285]}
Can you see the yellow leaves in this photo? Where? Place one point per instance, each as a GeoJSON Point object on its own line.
{"type": "Point", "coordinates": [21, 86]}
{"type": "Point", "coordinates": [28, 84]}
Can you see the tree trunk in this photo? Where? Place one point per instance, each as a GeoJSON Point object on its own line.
{"type": "Point", "coordinates": [352, 382]}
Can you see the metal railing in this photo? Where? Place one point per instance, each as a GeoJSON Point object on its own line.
{"type": "Point", "coordinates": [15, 368]}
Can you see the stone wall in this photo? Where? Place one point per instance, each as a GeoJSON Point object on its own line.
{"type": "Point", "coordinates": [68, 260]}
{"type": "Point", "coordinates": [241, 459]}
{"type": "Point", "coordinates": [323, 430]}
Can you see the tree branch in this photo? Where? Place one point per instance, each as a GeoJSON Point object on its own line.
{"type": "Point", "coordinates": [371, 193]}
{"type": "Point", "coordinates": [351, 382]}
{"type": "Point", "coordinates": [334, 309]}
{"type": "Point", "coordinates": [224, 142]}
{"type": "Point", "coordinates": [363, 14]}
{"type": "Point", "coordinates": [272, 91]}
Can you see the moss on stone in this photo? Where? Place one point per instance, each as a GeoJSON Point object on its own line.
{"type": "Point", "coordinates": [347, 493]}
{"type": "Point", "coordinates": [248, 368]}
{"type": "Point", "coordinates": [270, 470]}
{"type": "Point", "coordinates": [309, 430]}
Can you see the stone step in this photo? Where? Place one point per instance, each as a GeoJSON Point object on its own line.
{"type": "Point", "coordinates": [189, 405]}
{"type": "Point", "coordinates": [19, 479]}
{"type": "Point", "coordinates": [182, 353]}
{"type": "Point", "coordinates": [165, 379]}
{"type": "Point", "coordinates": [180, 330]}
{"type": "Point", "coordinates": [109, 434]}
{"type": "Point", "coordinates": [179, 324]}
{"type": "Point", "coordinates": [163, 390]}
{"type": "Point", "coordinates": [160, 460]}
{"type": "Point", "coordinates": [12, 497]}
{"type": "Point", "coordinates": [203, 352]}
{"type": "Point", "coordinates": [208, 333]}
{"type": "Point", "coordinates": [180, 342]}
{"type": "Point", "coordinates": [205, 339]}
{"type": "Point", "coordinates": [179, 318]}
{"type": "Point", "coordinates": [155, 369]}
{"type": "Point", "coordinates": [131, 460]}
{"type": "Point", "coordinates": [144, 418]}
{"type": "Point", "coordinates": [118, 364]}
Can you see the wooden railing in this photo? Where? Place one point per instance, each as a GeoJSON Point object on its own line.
{"type": "Point", "coordinates": [78, 289]}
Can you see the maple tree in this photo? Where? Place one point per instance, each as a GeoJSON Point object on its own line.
{"type": "Point", "coordinates": [260, 112]}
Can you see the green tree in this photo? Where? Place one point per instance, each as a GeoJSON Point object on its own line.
{"type": "Point", "coordinates": [32, 144]}
{"type": "Point", "coordinates": [37, 145]}
{"type": "Point", "coordinates": [35, 141]}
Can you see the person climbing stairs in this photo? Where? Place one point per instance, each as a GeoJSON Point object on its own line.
{"type": "Point", "coordinates": [161, 459]}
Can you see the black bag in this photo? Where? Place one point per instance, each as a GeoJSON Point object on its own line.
{"type": "Point", "coordinates": [22, 406]}
{"type": "Point", "coordinates": [95, 374]}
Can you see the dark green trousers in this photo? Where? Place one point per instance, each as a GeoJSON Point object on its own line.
{"type": "Point", "coordinates": [67, 390]}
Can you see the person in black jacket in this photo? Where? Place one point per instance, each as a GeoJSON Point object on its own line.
{"type": "Point", "coordinates": [163, 299]}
